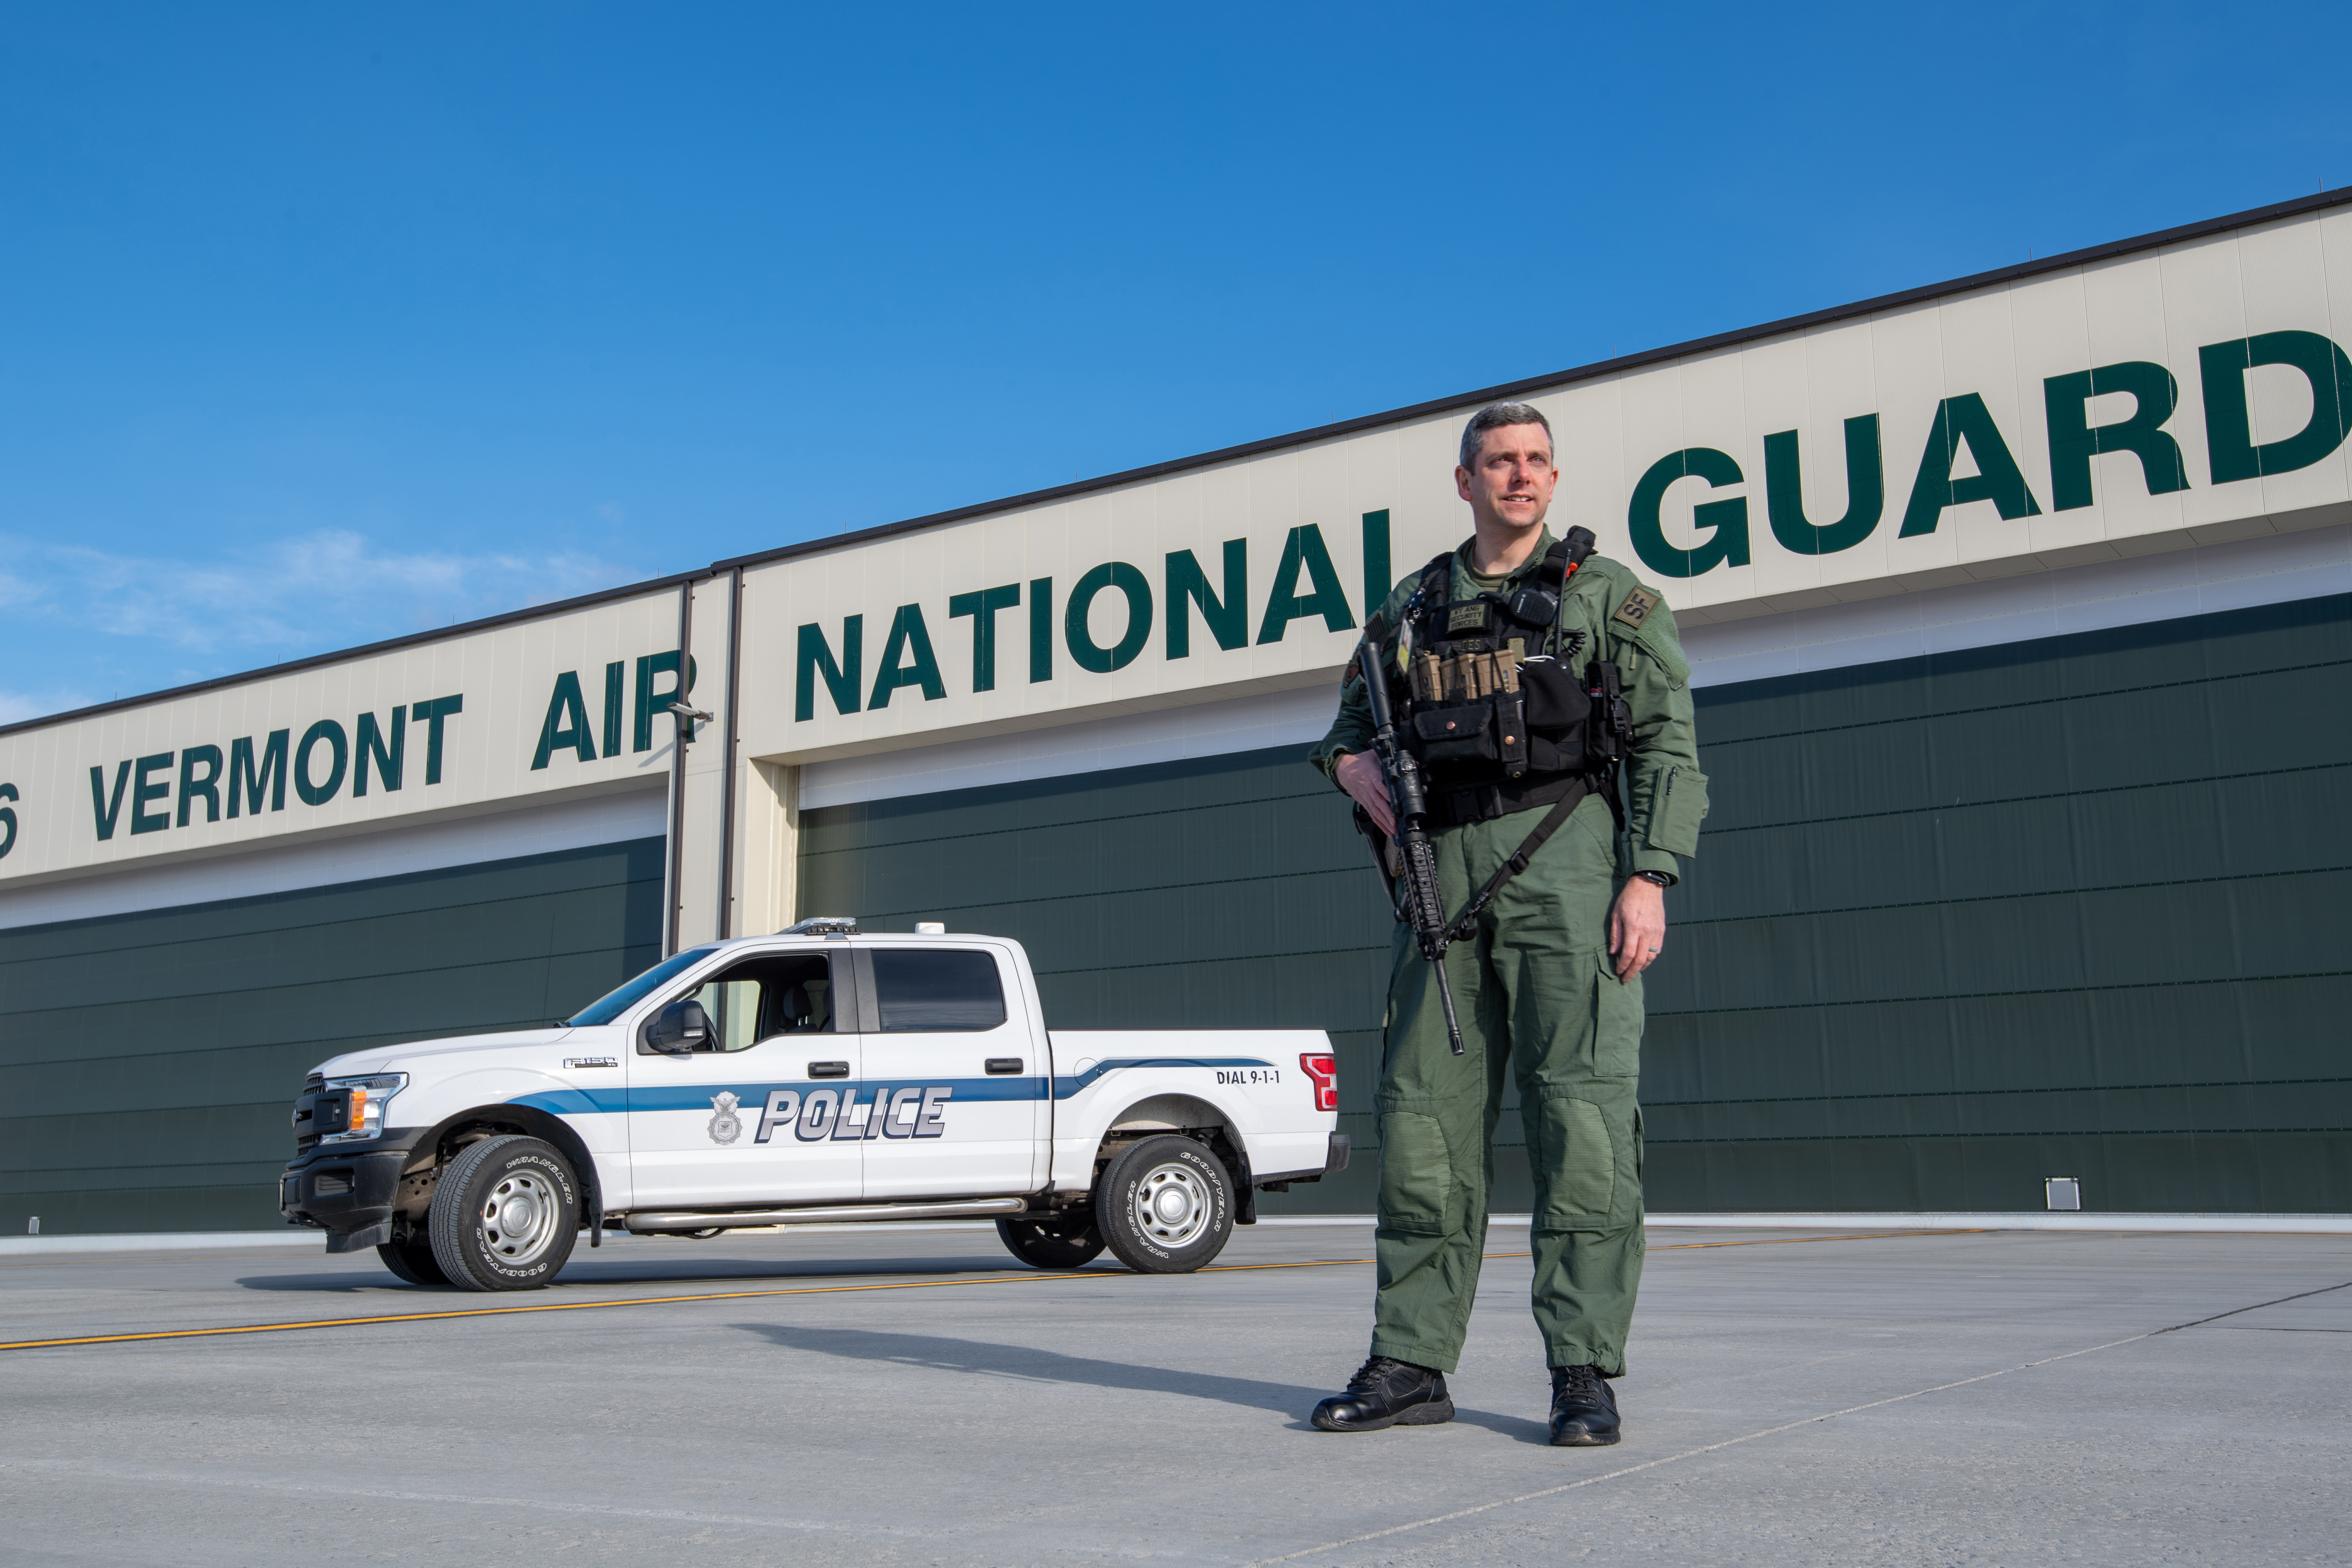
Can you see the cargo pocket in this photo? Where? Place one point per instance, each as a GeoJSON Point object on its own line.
{"type": "Point", "coordinates": [1677, 812]}
{"type": "Point", "coordinates": [1574, 1146]}
{"type": "Point", "coordinates": [1617, 1020]}
{"type": "Point", "coordinates": [1416, 1176]}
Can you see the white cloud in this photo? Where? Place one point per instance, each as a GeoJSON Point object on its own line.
{"type": "Point", "coordinates": [312, 594]}
{"type": "Point", "coordinates": [17, 706]}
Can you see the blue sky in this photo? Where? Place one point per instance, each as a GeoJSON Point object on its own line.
{"type": "Point", "coordinates": [322, 324]}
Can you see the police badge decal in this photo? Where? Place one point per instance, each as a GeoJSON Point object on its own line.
{"type": "Point", "coordinates": [725, 1125]}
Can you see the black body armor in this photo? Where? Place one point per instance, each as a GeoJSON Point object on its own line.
{"type": "Point", "coordinates": [1493, 710]}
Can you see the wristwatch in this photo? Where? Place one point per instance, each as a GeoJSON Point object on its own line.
{"type": "Point", "coordinates": [1660, 877]}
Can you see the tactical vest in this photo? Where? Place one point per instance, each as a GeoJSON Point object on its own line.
{"type": "Point", "coordinates": [1488, 698]}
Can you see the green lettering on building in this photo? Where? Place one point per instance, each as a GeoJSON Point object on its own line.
{"type": "Point", "coordinates": [370, 745]}
{"type": "Point", "coordinates": [244, 781]}
{"type": "Point", "coordinates": [907, 660]}
{"type": "Point", "coordinates": [432, 715]}
{"type": "Point", "coordinates": [614, 683]}
{"type": "Point", "coordinates": [1304, 551]}
{"type": "Point", "coordinates": [650, 702]}
{"type": "Point", "coordinates": [1377, 581]}
{"type": "Point", "coordinates": [142, 792]}
{"type": "Point", "coordinates": [1998, 480]}
{"type": "Point", "coordinates": [1041, 629]}
{"type": "Point", "coordinates": [1132, 586]}
{"type": "Point", "coordinates": [205, 787]}
{"type": "Point", "coordinates": [108, 809]}
{"type": "Point", "coordinates": [330, 733]}
{"type": "Point", "coordinates": [2229, 423]}
{"type": "Point", "coordinates": [1865, 492]}
{"type": "Point", "coordinates": [981, 605]}
{"type": "Point", "coordinates": [566, 723]}
{"type": "Point", "coordinates": [1724, 520]}
{"type": "Point", "coordinates": [2075, 440]}
{"type": "Point", "coordinates": [1225, 615]}
{"type": "Point", "coordinates": [815, 659]}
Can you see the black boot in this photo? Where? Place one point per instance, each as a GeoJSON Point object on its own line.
{"type": "Point", "coordinates": [1583, 1410]}
{"type": "Point", "coordinates": [1386, 1392]}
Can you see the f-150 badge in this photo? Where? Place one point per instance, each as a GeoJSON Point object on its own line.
{"type": "Point", "coordinates": [725, 1125]}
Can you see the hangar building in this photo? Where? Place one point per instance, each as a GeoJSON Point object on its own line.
{"type": "Point", "coordinates": [2018, 607]}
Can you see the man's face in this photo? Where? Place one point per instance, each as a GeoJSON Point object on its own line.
{"type": "Point", "coordinates": [1512, 481]}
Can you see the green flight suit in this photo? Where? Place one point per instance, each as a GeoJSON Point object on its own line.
{"type": "Point", "coordinates": [1538, 998]}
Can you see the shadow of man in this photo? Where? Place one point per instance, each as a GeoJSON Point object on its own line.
{"type": "Point", "coordinates": [1026, 1364]}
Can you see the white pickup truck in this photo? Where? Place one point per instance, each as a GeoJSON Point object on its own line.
{"type": "Point", "coordinates": [816, 1075]}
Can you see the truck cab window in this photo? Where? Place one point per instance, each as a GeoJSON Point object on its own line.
{"type": "Point", "coordinates": [763, 997]}
{"type": "Point", "coordinates": [920, 989]}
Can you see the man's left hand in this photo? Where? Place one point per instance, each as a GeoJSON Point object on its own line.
{"type": "Point", "coordinates": [1637, 926]}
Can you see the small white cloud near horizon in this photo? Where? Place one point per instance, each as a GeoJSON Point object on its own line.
{"type": "Point", "coordinates": [313, 593]}
{"type": "Point", "coordinates": [16, 707]}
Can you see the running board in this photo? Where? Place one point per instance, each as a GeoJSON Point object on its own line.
{"type": "Point", "coordinates": [646, 1220]}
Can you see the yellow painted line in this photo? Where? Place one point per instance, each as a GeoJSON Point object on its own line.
{"type": "Point", "coordinates": [185, 1255]}
{"type": "Point", "coordinates": [814, 1290]}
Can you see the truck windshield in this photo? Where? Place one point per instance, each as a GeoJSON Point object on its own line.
{"type": "Point", "coordinates": [606, 1008]}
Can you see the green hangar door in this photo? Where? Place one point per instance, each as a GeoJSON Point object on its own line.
{"type": "Point", "coordinates": [148, 1061]}
{"type": "Point", "coordinates": [1958, 923]}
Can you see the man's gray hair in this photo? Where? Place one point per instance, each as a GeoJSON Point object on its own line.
{"type": "Point", "coordinates": [1494, 416]}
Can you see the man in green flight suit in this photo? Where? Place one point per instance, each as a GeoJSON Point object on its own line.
{"type": "Point", "coordinates": [1549, 983]}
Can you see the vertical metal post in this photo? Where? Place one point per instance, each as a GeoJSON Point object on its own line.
{"type": "Point", "coordinates": [675, 892]}
{"type": "Point", "coordinates": [726, 779]}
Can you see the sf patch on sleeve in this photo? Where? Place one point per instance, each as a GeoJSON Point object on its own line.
{"type": "Point", "coordinates": [1636, 608]}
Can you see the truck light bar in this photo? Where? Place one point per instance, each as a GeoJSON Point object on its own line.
{"type": "Point", "coordinates": [822, 925]}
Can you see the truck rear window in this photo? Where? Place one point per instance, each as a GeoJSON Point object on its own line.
{"type": "Point", "coordinates": [932, 990]}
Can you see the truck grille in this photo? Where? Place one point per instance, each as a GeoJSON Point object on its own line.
{"type": "Point", "coordinates": [306, 1126]}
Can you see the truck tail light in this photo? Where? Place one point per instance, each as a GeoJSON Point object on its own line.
{"type": "Point", "coordinates": [1325, 1071]}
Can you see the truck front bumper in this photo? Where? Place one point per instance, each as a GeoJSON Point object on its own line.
{"type": "Point", "coordinates": [349, 1191]}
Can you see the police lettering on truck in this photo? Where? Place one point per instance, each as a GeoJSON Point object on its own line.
{"type": "Point", "coordinates": [821, 1074]}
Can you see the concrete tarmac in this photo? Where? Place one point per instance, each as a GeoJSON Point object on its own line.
{"type": "Point", "coordinates": [2001, 1398]}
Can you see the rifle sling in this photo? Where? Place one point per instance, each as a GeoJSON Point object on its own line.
{"type": "Point", "coordinates": [1458, 928]}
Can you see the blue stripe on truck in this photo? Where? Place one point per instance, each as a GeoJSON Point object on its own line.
{"type": "Point", "coordinates": [1065, 1087]}
{"type": "Point", "coordinates": [698, 1097]}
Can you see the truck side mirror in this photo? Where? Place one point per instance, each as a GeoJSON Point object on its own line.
{"type": "Point", "coordinates": [679, 1029]}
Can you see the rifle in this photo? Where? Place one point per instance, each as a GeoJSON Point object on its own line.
{"type": "Point", "coordinates": [1414, 885]}
{"type": "Point", "coordinates": [1418, 904]}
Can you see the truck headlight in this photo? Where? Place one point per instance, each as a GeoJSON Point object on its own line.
{"type": "Point", "coordinates": [368, 1097]}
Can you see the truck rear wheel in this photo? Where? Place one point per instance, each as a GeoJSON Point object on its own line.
{"type": "Point", "coordinates": [412, 1261]}
{"type": "Point", "coordinates": [1051, 1243]}
{"type": "Point", "coordinates": [505, 1214]}
{"type": "Point", "coordinates": [1165, 1206]}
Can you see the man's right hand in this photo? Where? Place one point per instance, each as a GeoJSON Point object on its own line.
{"type": "Point", "coordinates": [1360, 774]}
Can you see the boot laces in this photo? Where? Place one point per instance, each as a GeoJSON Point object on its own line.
{"type": "Point", "coordinates": [1576, 1383]}
{"type": "Point", "coordinates": [1376, 1371]}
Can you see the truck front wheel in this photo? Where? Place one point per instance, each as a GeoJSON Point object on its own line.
{"type": "Point", "coordinates": [1165, 1205]}
{"type": "Point", "coordinates": [1051, 1243]}
{"type": "Point", "coordinates": [505, 1214]}
{"type": "Point", "coordinates": [412, 1261]}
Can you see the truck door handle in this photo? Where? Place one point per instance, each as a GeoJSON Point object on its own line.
{"type": "Point", "coordinates": [1003, 1064]}
{"type": "Point", "coordinates": [828, 1069]}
